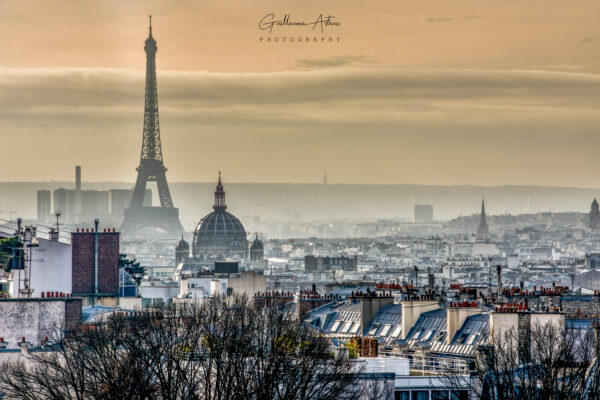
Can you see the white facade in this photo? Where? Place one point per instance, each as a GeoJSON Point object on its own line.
{"type": "Point", "coordinates": [158, 290]}
{"type": "Point", "coordinates": [51, 269]}
{"type": "Point", "coordinates": [197, 288]}
{"type": "Point", "coordinates": [475, 249]}
{"type": "Point", "coordinates": [248, 283]}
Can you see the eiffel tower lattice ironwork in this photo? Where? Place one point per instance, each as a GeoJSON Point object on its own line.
{"type": "Point", "coordinates": [151, 169]}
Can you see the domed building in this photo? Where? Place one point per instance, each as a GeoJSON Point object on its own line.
{"type": "Point", "coordinates": [220, 235]}
{"type": "Point", "coordinates": [182, 252]}
{"type": "Point", "coordinates": [257, 251]}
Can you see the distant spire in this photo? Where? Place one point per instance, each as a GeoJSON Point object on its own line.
{"type": "Point", "coordinates": [150, 17]}
{"type": "Point", "coordinates": [483, 208]}
{"type": "Point", "coordinates": [595, 215]}
{"type": "Point", "coordinates": [219, 196]}
{"type": "Point", "coordinates": [482, 230]}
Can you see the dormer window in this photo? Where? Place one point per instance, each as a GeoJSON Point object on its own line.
{"type": "Point", "coordinates": [374, 328]}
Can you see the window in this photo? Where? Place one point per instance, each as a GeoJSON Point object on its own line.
{"type": "Point", "coordinates": [415, 336]}
{"type": "Point", "coordinates": [402, 395]}
{"type": "Point", "coordinates": [462, 338]}
{"type": "Point", "coordinates": [473, 338]}
{"type": "Point", "coordinates": [346, 327]}
{"type": "Point", "coordinates": [355, 328]}
{"type": "Point", "coordinates": [439, 395]}
{"type": "Point", "coordinates": [419, 395]}
{"type": "Point", "coordinates": [397, 331]}
{"type": "Point", "coordinates": [335, 326]}
{"type": "Point", "coordinates": [427, 335]}
{"type": "Point", "coordinates": [441, 336]}
{"type": "Point", "coordinates": [385, 330]}
{"type": "Point", "coordinates": [459, 395]}
{"type": "Point", "coordinates": [374, 328]}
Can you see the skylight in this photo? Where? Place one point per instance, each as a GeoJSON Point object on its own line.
{"type": "Point", "coordinates": [385, 330]}
{"type": "Point", "coordinates": [346, 327]}
{"type": "Point", "coordinates": [374, 328]}
{"type": "Point", "coordinates": [473, 338]}
{"type": "Point", "coordinates": [427, 335]}
{"type": "Point", "coordinates": [335, 326]}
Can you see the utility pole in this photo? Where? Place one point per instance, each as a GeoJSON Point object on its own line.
{"type": "Point", "coordinates": [57, 215]}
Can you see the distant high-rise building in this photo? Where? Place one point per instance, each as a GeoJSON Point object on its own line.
{"type": "Point", "coordinates": [482, 231]}
{"type": "Point", "coordinates": [43, 206]}
{"type": "Point", "coordinates": [121, 198]}
{"type": "Point", "coordinates": [595, 216]}
{"type": "Point", "coordinates": [325, 178]}
{"type": "Point", "coordinates": [323, 264]}
{"type": "Point", "coordinates": [93, 202]}
{"type": "Point", "coordinates": [64, 203]}
{"type": "Point", "coordinates": [423, 213]}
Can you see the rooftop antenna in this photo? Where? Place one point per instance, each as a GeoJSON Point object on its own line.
{"type": "Point", "coordinates": [150, 17]}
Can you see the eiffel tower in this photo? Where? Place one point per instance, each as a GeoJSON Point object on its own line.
{"type": "Point", "coordinates": [163, 219]}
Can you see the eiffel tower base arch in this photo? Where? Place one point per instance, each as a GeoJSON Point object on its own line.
{"type": "Point", "coordinates": [151, 222]}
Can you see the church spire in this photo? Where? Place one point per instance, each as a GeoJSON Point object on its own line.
{"type": "Point", "coordinates": [482, 230]}
{"type": "Point", "coordinates": [219, 196]}
{"type": "Point", "coordinates": [595, 215]}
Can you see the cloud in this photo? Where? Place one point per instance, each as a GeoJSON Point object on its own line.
{"type": "Point", "coordinates": [367, 122]}
{"type": "Point", "coordinates": [333, 61]}
{"type": "Point", "coordinates": [587, 40]}
{"type": "Point", "coordinates": [323, 96]}
{"type": "Point", "coordinates": [440, 19]}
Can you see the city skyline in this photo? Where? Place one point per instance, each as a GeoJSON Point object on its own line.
{"type": "Point", "coordinates": [306, 200]}
{"type": "Point", "coordinates": [446, 95]}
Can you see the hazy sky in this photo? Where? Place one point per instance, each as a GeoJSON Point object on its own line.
{"type": "Point", "coordinates": [425, 91]}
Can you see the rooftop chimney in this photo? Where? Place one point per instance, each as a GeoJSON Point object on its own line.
{"type": "Point", "coordinates": [53, 234]}
{"type": "Point", "coordinates": [412, 310]}
{"type": "Point", "coordinates": [369, 307]}
{"type": "Point", "coordinates": [457, 314]}
{"type": "Point", "coordinates": [499, 270]}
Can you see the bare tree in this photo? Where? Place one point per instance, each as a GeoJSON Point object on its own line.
{"type": "Point", "coordinates": [545, 361]}
{"type": "Point", "coordinates": [222, 348]}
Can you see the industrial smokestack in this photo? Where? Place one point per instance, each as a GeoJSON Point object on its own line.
{"type": "Point", "coordinates": [77, 177]}
{"type": "Point", "coordinates": [77, 190]}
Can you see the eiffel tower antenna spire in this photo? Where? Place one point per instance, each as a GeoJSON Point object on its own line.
{"type": "Point", "coordinates": [151, 169]}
